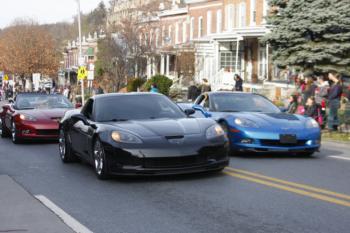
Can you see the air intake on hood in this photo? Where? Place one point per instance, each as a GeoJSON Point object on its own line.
{"type": "Point", "coordinates": [174, 137]}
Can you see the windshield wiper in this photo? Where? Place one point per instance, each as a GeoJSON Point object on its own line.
{"type": "Point", "coordinates": [29, 108]}
{"type": "Point", "coordinates": [117, 120]}
{"type": "Point", "coordinates": [228, 110]}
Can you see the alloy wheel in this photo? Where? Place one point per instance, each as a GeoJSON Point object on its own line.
{"type": "Point", "coordinates": [98, 157]}
{"type": "Point", "coordinates": [62, 144]}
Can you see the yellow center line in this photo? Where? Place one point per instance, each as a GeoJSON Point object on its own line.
{"type": "Point", "coordinates": [290, 189]}
{"type": "Point", "coordinates": [297, 185]}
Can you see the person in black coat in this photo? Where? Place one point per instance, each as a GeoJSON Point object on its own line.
{"type": "Point", "coordinates": [239, 83]}
{"type": "Point", "coordinates": [193, 92]}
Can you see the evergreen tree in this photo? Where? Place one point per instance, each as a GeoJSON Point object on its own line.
{"type": "Point", "coordinates": [310, 34]}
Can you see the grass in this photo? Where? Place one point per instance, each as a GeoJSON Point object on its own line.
{"type": "Point", "coordinates": [336, 136]}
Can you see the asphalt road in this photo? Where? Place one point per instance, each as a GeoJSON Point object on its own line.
{"type": "Point", "coordinates": [239, 200]}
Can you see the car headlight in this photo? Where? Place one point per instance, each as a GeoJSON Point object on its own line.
{"type": "Point", "coordinates": [26, 117]}
{"type": "Point", "coordinates": [311, 123]}
{"type": "Point", "coordinates": [214, 132]}
{"type": "Point", "coordinates": [125, 137]}
{"type": "Point", "coordinates": [245, 123]}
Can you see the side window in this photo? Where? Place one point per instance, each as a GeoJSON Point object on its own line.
{"type": "Point", "coordinates": [206, 102]}
{"type": "Point", "coordinates": [87, 110]}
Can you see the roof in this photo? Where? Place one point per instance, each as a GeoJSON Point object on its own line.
{"type": "Point", "coordinates": [102, 96]}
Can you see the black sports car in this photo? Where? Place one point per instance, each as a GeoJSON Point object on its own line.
{"type": "Point", "coordinates": [141, 134]}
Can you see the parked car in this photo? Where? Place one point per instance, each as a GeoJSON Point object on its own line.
{"type": "Point", "coordinates": [253, 123]}
{"type": "Point", "coordinates": [141, 134]}
{"type": "Point", "coordinates": [33, 116]}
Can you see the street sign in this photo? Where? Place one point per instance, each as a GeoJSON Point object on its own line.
{"type": "Point", "coordinates": [90, 75]}
{"type": "Point", "coordinates": [82, 73]}
{"type": "Point", "coordinates": [6, 78]}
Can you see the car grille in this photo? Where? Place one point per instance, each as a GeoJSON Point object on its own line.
{"type": "Point", "coordinates": [174, 162]}
{"type": "Point", "coordinates": [47, 132]}
{"type": "Point", "coordinates": [266, 142]}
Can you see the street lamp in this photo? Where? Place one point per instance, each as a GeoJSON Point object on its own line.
{"type": "Point", "coordinates": [81, 60]}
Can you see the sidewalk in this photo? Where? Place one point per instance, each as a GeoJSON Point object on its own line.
{"type": "Point", "coordinates": [21, 212]}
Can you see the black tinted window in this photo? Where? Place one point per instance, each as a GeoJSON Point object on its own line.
{"type": "Point", "coordinates": [228, 102]}
{"type": "Point", "coordinates": [135, 107]}
{"type": "Point", "coordinates": [40, 101]}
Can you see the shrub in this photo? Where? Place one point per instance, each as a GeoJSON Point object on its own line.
{"type": "Point", "coordinates": [163, 83]}
{"type": "Point", "coordinates": [134, 84]}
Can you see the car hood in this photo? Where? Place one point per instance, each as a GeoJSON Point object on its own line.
{"type": "Point", "coordinates": [273, 120]}
{"type": "Point", "coordinates": [165, 127]}
{"type": "Point", "coordinates": [46, 114]}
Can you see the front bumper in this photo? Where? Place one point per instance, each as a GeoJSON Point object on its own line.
{"type": "Point", "coordinates": [37, 130]}
{"type": "Point", "coordinates": [270, 142]}
{"type": "Point", "coordinates": [171, 161]}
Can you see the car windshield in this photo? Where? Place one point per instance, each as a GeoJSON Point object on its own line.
{"type": "Point", "coordinates": [136, 107]}
{"type": "Point", "coordinates": [233, 102]}
{"type": "Point", "coordinates": [41, 101]}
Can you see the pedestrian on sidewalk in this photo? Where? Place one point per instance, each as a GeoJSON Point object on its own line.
{"type": "Point", "coordinates": [154, 88]}
{"type": "Point", "coordinates": [239, 83]}
{"type": "Point", "coordinates": [334, 96]}
{"type": "Point", "coordinates": [293, 104]}
{"type": "Point", "coordinates": [205, 86]}
{"type": "Point", "coordinates": [311, 109]}
{"type": "Point", "coordinates": [192, 92]}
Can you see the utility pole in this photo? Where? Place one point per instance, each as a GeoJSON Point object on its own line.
{"type": "Point", "coordinates": [81, 59]}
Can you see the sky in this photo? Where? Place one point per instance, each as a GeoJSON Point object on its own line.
{"type": "Point", "coordinates": [43, 11]}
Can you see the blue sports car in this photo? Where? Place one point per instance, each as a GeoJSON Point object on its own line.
{"type": "Point", "coordinates": [255, 124]}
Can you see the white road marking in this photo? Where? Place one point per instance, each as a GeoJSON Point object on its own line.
{"type": "Point", "coordinates": [66, 218]}
{"type": "Point", "coordinates": [340, 157]}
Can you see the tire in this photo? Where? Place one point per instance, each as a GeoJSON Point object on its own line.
{"type": "Point", "coordinates": [4, 132]}
{"type": "Point", "coordinates": [100, 162]}
{"type": "Point", "coordinates": [66, 152]}
{"type": "Point", "coordinates": [225, 127]}
{"type": "Point", "coordinates": [14, 137]}
{"type": "Point", "coordinates": [307, 154]}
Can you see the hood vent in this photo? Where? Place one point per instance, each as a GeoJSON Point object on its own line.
{"type": "Point", "coordinates": [174, 137]}
{"type": "Point", "coordinates": [283, 116]}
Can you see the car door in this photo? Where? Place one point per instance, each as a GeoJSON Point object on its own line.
{"type": "Point", "coordinates": [81, 130]}
{"type": "Point", "coordinates": [203, 101]}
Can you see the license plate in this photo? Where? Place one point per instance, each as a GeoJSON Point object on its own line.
{"type": "Point", "coordinates": [288, 139]}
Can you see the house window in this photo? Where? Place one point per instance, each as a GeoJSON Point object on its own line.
{"type": "Point", "coordinates": [163, 35]}
{"type": "Point", "coordinates": [242, 14]}
{"type": "Point", "coordinates": [208, 22]}
{"type": "Point", "coordinates": [218, 21]}
{"type": "Point", "coordinates": [176, 33]}
{"type": "Point", "coordinates": [184, 32]}
{"type": "Point", "coordinates": [252, 12]}
{"type": "Point", "coordinates": [169, 34]}
{"type": "Point", "coordinates": [229, 19]}
{"type": "Point", "coordinates": [200, 27]}
{"type": "Point", "coordinates": [191, 28]}
{"type": "Point", "coordinates": [262, 63]}
{"type": "Point", "coordinates": [228, 56]}
{"type": "Point", "coordinates": [157, 37]}
{"type": "Point", "coordinates": [265, 10]}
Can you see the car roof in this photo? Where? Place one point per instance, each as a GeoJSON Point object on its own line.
{"type": "Point", "coordinates": [37, 93]}
{"type": "Point", "coordinates": [102, 96]}
{"type": "Point", "coordinates": [229, 92]}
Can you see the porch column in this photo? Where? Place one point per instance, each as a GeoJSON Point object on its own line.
{"type": "Point", "coordinates": [162, 64]}
{"type": "Point", "coordinates": [149, 68]}
{"type": "Point", "coordinates": [154, 67]}
{"type": "Point", "coordinates": [167, 65]}
{"type": "Point", "coordinates": [237, 48]}
{"type": "Point", "coordinates": [136, 71]}
{"type": "Point", "coordinates": [267, 62]}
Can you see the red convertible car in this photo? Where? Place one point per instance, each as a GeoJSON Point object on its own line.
{"type": "Point", "coordinates": [33, 116]}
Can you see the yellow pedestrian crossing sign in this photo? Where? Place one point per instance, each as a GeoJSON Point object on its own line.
{"type": "Point", "coordinates": [82, 73]}
{"type": "Point", "coordinates": [6, 78]}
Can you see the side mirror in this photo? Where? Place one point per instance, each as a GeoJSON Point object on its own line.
{"type": "Point", "coordinates": [283, 109]}
{"type": "Point", "coordinates": [80, 117]}
{"type": "Point", "coordinates": [202, 110]}
{"type": "Point", "coordinates": [78, 105]}
{"type": "Point", "coordinates": [189, 111]}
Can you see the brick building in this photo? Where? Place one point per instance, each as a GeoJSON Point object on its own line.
{"type": "Point", "coordinates": [222, 34]}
